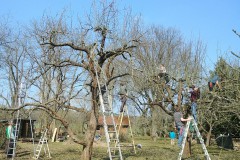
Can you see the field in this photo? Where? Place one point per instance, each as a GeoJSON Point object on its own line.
{"type": "Point", "coordinates": [159, 150]}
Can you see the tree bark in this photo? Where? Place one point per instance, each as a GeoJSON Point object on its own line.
{"type": "Point", "coordinates": [87, 149]}
{"type": "Point", "coordinates": [187, 149]}
{"type": "Point", "coordinates": [154, 125]}
{"type": "Point", "coordinates": [92, 126]}
{"type": "Point", "coordinates": [209, 136]}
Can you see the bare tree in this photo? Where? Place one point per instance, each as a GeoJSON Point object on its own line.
{"type": "Point", "coordinates": [91, 47]}
{"type": "Point", "coordinates": [14, 69]}
{"type": "Point", "coordinates": [219, 107]}
{"type": "Point", "coordinates": [183, 64]}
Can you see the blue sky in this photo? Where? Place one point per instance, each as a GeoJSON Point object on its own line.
{"type": "Point", "coordinates": [211, 21]}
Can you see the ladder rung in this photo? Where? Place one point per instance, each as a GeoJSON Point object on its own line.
{"type": "Point", "coordinates": [106, 113]}
{"type": "Point", "coordinates": [10, 154]}
{"type": "Point", "coordinates": [43, 141]}
{"type": "Point", "coordinates": [112, 132]}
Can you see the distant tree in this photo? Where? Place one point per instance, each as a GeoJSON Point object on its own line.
{"type": "Point", "coordinates": [221, 106]}
{"type": "Point", "coordinates": [14, 67]}
{"type": "Point", "coordinates": [182, 60]}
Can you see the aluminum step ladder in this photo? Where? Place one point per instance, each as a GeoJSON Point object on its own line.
{"type": "Point", "coordinates": [12, 144]}
{"type": "Point", "coordinates": [112, 138]}
{"type": "Point", "coordinates": [199, 137]}
{"type": "Point", "coordinates": [42, 141]}
{"type": "Point", "coordinates": [120, 120]}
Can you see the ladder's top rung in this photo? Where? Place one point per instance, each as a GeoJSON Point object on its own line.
{"type": "Point", "coordinates": [112, 131]}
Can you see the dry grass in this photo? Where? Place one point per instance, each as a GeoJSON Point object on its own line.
{"type": "Point", "coordinates": [159, 150]}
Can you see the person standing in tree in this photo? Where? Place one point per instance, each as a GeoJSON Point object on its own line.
{"type": "Point", "coordinates": [10, 137]}
{"type": "Point", "coordinates": [195, 94]}
{"type": "Point", "coordinates": [178, 119]}
{"type": "Point", "coordinates": [214, 81]}
{"type": "Point", "coordinates": [163, 73]}
{"type": "Point", "coordinates": [123, 95]}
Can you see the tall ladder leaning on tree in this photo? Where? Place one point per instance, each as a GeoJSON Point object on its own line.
{"type": "Point", "coordinates": [107, 112]}
{"type": "Point", "coordinates": [119, 126]}
{"type": "Point", "coordinates": [199, 137]}
{"type": "Point", "coordinates": [12, 145]}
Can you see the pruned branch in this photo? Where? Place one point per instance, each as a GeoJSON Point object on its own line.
{"type": "Point", "coordinates": [236, 33]}
{"type": "Point", "coordinates": [235, 54]}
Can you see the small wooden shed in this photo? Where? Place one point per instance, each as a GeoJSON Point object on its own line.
{"type": "Point", "coordinates": [124, 125]}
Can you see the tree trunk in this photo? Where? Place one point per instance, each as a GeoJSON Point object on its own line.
{"type": "Point", "coordinates": [180, 94]}
{"type": "Point", "coordinates": [187, 149]}
{"type": "Point", "coordinates": [209, 136]}
{"type": "Point", "coordinates": [144, 124]}
{"type": "Point", "coordinates": [92, 126]}
{"type": "Point", "coordinates": [87, 149]}
{"type": "Point", "coordinates": [145, 130]}
{"type": "Point", "coordinates": [154, 124]}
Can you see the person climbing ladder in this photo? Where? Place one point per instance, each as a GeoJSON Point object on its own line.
{"type": "Point", "coordinates": [11, 139]}
{"type": "Point", "coordinates": [178, 119]}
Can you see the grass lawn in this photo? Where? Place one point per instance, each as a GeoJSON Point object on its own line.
{"type": "Point", "coordinates": [159, 150]}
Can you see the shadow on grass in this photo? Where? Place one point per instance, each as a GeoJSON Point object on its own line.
{"type": "Point", "coordinates": [23, 153]}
